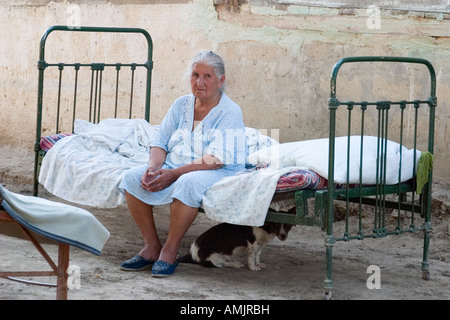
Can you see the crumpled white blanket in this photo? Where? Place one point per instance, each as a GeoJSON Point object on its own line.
{"type": "Point", "coordinates": [129, 138]}
{"type": "Point", "coordinates": [87, 167]}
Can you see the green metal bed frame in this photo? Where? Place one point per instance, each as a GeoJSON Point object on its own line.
{"type": "Point", "coordinates": [97, 70]}
{"type": "Point", "coordinates": [325, 199]}
{"type": "Point", "coordinates": [376, 195]}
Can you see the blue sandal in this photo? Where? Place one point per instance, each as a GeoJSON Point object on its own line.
{"type": "Point", "coordinates": [137, 263]}
{"type": "Point", "coordinates": [163, 269]}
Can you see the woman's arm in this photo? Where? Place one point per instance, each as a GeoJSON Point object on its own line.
{"type": "Point", "coordinates": [157, 158]}
{"type": "Point", "coordinates": [155, 162]}
{"type": "Point", "coordinates": [207, 162]}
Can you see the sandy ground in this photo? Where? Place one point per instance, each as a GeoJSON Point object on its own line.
{"type": "Point", "coordinates": [295, 267]}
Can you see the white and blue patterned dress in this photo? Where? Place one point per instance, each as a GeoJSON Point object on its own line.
{"type": "Point", "coordinates": [221, 134]}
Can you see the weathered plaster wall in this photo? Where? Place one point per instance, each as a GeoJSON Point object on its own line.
{"type": "Point", "coordinates": [278, 57]}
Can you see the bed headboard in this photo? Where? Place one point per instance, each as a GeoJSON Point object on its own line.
{"type": "Point", "coordinates": [90, 90]}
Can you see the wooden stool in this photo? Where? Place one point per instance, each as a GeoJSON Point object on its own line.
{"type": "Point", "coordinates": [59, 270]}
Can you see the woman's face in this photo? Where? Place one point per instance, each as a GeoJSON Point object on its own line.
{"type": "Point", "coordinates": [204, 82]}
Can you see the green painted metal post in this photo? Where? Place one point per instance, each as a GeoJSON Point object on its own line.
{"type": "Point", "coordinates": [333, 104]}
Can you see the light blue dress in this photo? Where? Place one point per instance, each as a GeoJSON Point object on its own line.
{"type": "Point", "coordinates": [221, 134]}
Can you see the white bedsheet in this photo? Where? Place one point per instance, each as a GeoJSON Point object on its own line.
{"type": "Point", "coordinates": [243, 199]}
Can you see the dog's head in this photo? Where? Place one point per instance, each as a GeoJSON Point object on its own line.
{"type": "Point", "coordinates": [281, 230]}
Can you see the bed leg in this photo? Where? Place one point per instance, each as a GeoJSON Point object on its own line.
{"type": "Point", "coordinates": [328, 285]}
{"type": "Point", "coordinates": [36, 170]}
{"type": "Point", "coordinates": [426, 243]}
{"type": "Point", "coordinates": [426, 212]}
{"type": "Point", "coordinates": [63, 263]}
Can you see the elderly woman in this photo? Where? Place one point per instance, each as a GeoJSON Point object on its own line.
{"type": "Point", "coordinates": [200, 141]}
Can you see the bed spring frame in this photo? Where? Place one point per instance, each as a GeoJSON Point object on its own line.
{"type": "Point", "coordinates": [375, 196]}
{"type": "Point", "coordinates": [97, 69]}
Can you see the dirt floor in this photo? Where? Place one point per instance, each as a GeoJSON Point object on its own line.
{"type": "Point", "coordinates": [295, 267]}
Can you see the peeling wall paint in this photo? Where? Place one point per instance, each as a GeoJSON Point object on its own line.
{"type": "Point", "coordinates": [278, 58]}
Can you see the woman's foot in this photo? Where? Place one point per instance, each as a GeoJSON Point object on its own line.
{"type": "Point", "coordinates": [163, 269]}
{"type": "Point", "coordinates": [168, 256]}
{"type": "Point", "coordinates": [137, 263]}
{"type": "Point", "coordinates": [142, 261]}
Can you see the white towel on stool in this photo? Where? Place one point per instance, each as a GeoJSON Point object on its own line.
{"type": "Point", "coordinates": [57, 221]}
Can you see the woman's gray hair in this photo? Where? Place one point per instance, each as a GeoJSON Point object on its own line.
{"type": "Point", "coordinates": [211, 59]}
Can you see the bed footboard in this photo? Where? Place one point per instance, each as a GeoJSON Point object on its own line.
{"type": "Point", "coordinates": [388, 208]}
{"type": "Point", "coordinates": [378, 195]}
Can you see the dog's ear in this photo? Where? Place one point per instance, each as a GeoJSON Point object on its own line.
{"type": "Point", "coordinates": [270, 227]}
{"type": "Point", "coordinates": [288, 227]}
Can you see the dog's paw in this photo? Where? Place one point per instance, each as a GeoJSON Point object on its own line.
{"type": "Point", "coordinates": [256, 267]}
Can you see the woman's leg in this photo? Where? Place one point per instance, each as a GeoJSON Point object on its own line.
{"type": "Point", "coordinates": [187, 197]}
{"type": "Point", "coordinates": [181, 218]}
{"type": "Point", "coordinates": [142, 214]}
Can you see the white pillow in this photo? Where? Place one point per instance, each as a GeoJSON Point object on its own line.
{"type": "Point", "coordinates": [313, 154]}
{"type": "Point", "coordinates": [279, 156]}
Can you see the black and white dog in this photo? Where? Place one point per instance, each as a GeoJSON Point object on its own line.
{"type": "Point", "coordinates": [218, 246]}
